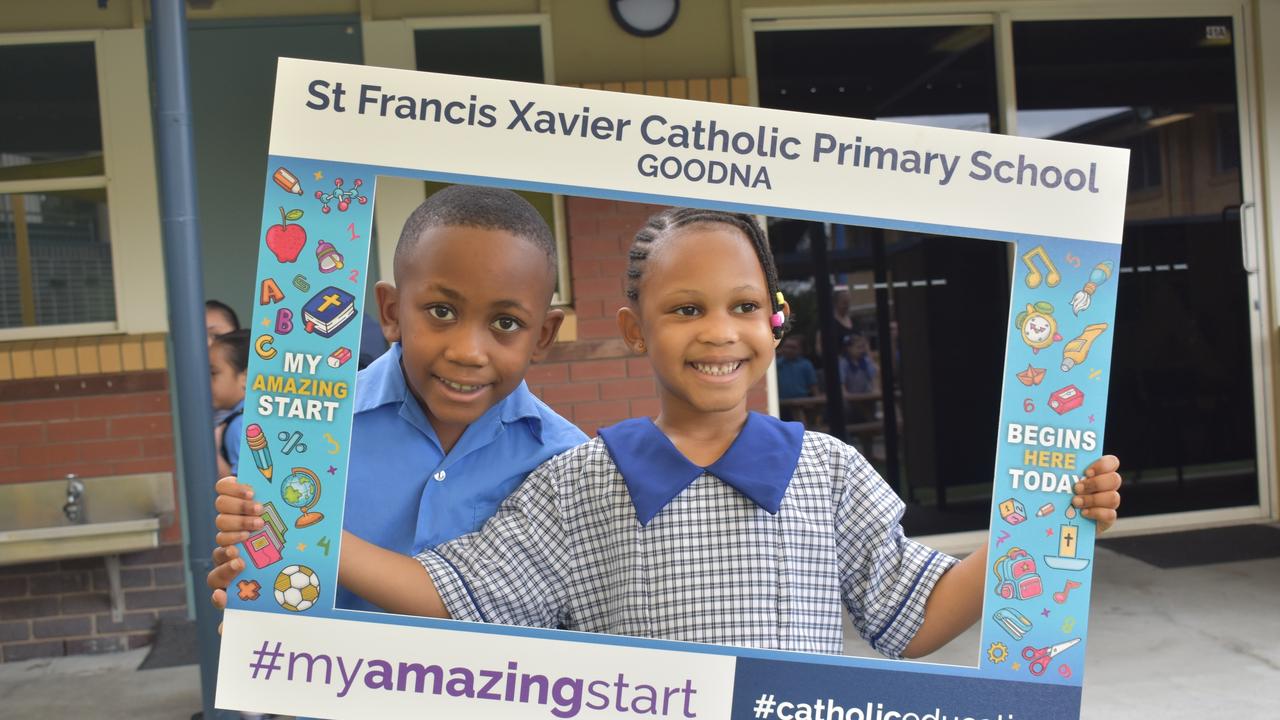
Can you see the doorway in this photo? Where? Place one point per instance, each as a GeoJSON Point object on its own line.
{"type": "Point", "coordinates": [931, 310]}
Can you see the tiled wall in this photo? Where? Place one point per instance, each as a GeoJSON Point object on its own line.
{"type": "Point", "coordinates": [66, 357]}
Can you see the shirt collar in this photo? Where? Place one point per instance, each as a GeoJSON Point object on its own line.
{"type": "Point", "coordinates": [383, 382]}
{"type": "Point", "coordinates": [759, 463]}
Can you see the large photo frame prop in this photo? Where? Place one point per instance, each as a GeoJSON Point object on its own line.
{"type": "Point", "coordinates": [337, 128]}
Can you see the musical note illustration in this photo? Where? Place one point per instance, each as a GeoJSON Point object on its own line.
{"type": "Point", "coordinates": [1034, 276]}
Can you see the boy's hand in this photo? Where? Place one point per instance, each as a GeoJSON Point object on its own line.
{"type": "Point", "coordinates": [227, 565]}
{"type": "Point", "coordinates": [238, 515]}
{"type": "Point", "coordinates": [1098, 493]}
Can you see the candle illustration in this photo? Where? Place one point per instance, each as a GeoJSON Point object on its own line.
{"type": "Point", "coordinates": [1066, 558]}
{"type": "Point", "coordinates": [1101, 273]}
{"type": "Point", "coordinates": [258, 446]}
{"type": "Point", "coordinates": [1075, 351]}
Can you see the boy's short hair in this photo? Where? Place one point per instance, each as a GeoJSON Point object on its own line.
{"type": "Point", "coordinates": [478, 207]}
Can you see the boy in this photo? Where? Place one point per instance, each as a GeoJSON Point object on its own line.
{"type": "Point", "coordinates": [444, 426]}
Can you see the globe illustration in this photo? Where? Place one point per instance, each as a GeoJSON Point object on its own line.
{"type": "Point", "coordinates": [298, 489]}
{"type": "Point", "coordinates": [301, 489]}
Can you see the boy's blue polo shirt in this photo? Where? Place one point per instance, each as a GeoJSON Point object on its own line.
{"type": "Point", "coordinates": [405, 494]}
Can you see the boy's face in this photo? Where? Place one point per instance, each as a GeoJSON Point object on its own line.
{"type": "Point", "coordinates": [703, 317]}
{"type": "Point", "coordinates": [225, 383]}
{"type": "Point", "coordinates": [470, 312]}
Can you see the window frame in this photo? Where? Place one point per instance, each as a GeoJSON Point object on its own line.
{"type": "Point", "coordinates": [399, 53]}
{"type": "Point", "coordinates": [122, 75]}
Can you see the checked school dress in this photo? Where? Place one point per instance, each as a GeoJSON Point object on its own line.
{"type": "Point", "coordinates": [624, 535]}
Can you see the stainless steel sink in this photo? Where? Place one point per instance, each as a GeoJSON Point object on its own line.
{"type": "Point", "coordinates": [85, 517]}
{"type": "Point", "coordinates": [111, 515]}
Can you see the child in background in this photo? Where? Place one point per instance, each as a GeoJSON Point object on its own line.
{"type": "Point", "coordinates": [228, 362]}
{"type": "Point", "coordinates": [444, 425]}
{"type": "Point", "coordinates": [858, 372]}
{"type": "Point", "coordinates": [708, 523]}
{"type": "Point", "coordinates": [219, 319]}
{"type": "Point", "coordinates": [796, 376]}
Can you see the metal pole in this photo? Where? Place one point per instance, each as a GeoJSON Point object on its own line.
{"type": "Point", "coordinates": [185, 286]}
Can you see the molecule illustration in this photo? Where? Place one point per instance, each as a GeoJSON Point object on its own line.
{"type": "Point", "coordinates": [342, 197]}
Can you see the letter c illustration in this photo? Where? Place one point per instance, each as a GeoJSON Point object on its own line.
{"type": "Point", "coordinates": [263, 347]}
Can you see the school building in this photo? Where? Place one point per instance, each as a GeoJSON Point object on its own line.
{"type": "Point", "coordinates": [1191, 87]}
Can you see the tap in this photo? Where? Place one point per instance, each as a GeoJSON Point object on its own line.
{"type": "Point", "coordinates": [73, 509]}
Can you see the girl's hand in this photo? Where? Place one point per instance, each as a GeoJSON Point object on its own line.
{"type": "Point", "coordinates": [1098, 493]}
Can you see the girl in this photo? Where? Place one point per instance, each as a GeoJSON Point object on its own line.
{"type": "Point", "coordinates": [228, 362]}
{"type": "Point", "coordinates": [707, 523]}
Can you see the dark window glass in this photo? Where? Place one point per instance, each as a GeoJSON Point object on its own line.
{"type": "Point", "coordinates": [49, 119]}
{"type": "Point", "coordinates": [1181, 412]}
{"type": "Point", "coordinates": [905, 330]}
{"type": "Point", "coordinates": [501, 53]}
{"type": "Point", "coordinates": [937, 76]}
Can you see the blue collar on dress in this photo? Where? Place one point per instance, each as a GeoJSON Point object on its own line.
{"type": "Point", "coordinates": [759, 464]}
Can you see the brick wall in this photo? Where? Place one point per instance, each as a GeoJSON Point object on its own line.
{"type": "Point", "coordinates": [95, 426]}
{"type": "Point", "coordinates": [595, 381]}
{"type": "Point", "coordinates": [106, 425]}
{"type": "Point", "coordinates": [60, 608]}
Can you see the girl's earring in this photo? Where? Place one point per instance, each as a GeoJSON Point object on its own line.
{"type": "Point", "coordinates": [640, 346]}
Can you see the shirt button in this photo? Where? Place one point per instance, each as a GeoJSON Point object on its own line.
{"type": "Point", "coordinates": [439, 476]}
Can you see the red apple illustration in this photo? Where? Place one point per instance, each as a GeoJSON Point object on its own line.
{"type": "Point", "coordinates": [285, 240]}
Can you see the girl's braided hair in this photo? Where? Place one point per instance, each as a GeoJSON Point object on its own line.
{"type": "Point", "coordinates": [676, 218]}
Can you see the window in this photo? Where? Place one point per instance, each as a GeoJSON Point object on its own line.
{"type": "Point", "coordinates": [55, 243]}
{"type": "Point", "coordinates": [80, 249]}
{"type": "Point", "coordinates": [503, 52]}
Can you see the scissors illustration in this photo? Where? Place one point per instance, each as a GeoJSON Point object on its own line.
{"type": "Point", "coordinates": [1039, 657]}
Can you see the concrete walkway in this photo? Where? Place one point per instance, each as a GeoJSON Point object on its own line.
{"type": "Point", "coordinates": [1185, 644]}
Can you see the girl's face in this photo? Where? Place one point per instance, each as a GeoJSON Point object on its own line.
{"type": "Point", "coordinates": [225, 382]}
{"type": "Point", "coordinates": [703, 319]}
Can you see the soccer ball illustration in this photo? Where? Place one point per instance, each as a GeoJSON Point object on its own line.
{"type": "Point", "coordinates": [297, 588]}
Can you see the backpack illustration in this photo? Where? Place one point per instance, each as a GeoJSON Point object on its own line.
{"type": "Point", "coordinates": [1016, 576]}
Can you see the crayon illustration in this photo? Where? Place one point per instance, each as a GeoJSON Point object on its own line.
{"type": "Point", "coordinates": [258, 446]}
{"type": "Point", "coordinates": [287, 181]}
